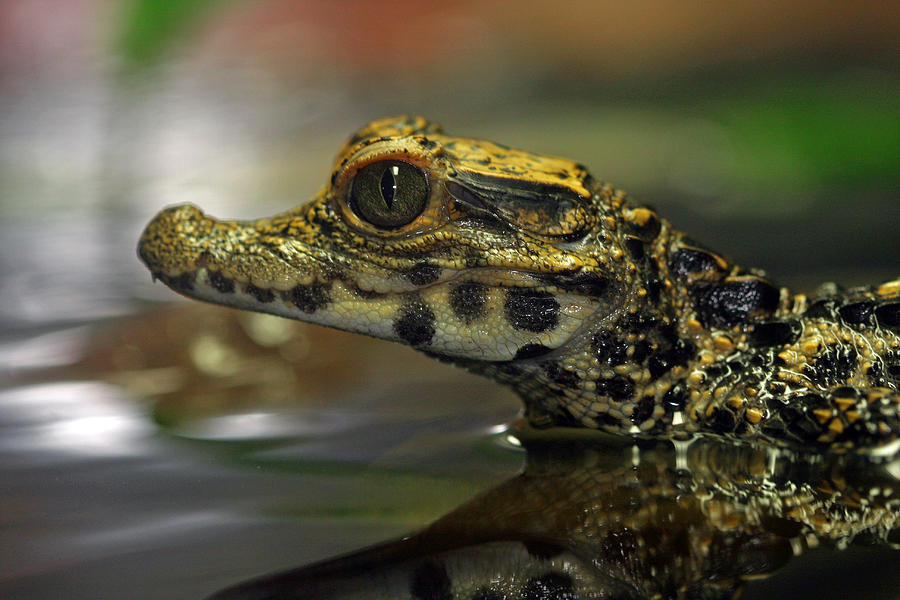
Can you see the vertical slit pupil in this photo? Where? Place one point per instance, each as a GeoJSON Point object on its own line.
{"type": "Point", "coordinates": [389, 184]}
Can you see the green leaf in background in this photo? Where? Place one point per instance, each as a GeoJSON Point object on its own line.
{"type": "Point", "coordinates": [146, 29]}
{"type": "Point", "coordinates": [820, 133]}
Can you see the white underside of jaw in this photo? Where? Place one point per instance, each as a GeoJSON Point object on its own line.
{"type": "Point", "coordinates": [491, 337]}
{"type": "Point", "coordinates": [345, 309]}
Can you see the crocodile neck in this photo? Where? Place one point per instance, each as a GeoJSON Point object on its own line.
{"type": "Point", "coordinates": [675, 304]}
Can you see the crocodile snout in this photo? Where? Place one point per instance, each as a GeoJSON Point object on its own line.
{"type": "Point", "coordinates": [173, 241]}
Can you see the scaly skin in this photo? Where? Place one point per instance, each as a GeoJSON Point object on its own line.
{"type": "Point", "coordinates": [527, 270]}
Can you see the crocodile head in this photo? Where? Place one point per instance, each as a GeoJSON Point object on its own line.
{"type": "Point", "coordinates": [459, 247]}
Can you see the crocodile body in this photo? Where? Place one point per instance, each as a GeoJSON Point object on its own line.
{"type": "Point", "coordinates": [526, 269]}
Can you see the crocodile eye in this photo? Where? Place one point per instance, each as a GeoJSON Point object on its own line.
{"type": "Point", "coordinates": [389, 193]}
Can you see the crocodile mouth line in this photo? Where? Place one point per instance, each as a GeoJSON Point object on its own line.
{"type": "Point", "coordinates": [584, 284]}
{"type": "Point", "coordinates": [307, 297]}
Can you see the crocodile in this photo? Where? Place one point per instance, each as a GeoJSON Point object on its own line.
{"type": "Point", "coordinates": [528, 270]}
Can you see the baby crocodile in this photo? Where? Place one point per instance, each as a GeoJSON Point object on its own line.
{"type": "Point", "coordinates": [526, 269]}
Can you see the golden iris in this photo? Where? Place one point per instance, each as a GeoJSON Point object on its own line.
{"type": "Point", "coordinates": [389, 193]}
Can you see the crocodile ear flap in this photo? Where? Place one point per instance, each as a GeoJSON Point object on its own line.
{"type": "Point", "coordinates": [545, 209]}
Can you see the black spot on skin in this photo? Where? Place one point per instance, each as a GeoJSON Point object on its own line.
{"type": "Point", "coordinates": [221, 283]}
{"type": "Point", "coordinates": [185, 281]}
{"type": "Point", "coordinates": [738, 365]}
{"type": "Point", "coordinates": [531, 350]}
{"type": "Point", "coordinates": [635, 248]}
{"type": "Point", "coordinates": [884, 374]}
{"type": "Point", "coordinates": [260, 294]}
{"type": "Point", "coordinates": [699, 263]}
{"type": "Point", "coordinates": [732, 302]}
{"type": "Point", "coordinates": [774, 427]}
{"type": "Point", "coordinates": [415, 326]}
{"type": "Point", "coordinates": [430, 582]}
{"type": "Point", "coordinates": [619, 387]}
{"type": "Point", "coordinates": [795, 419]}
{"type": "Point", "coordinates": [543, 550]}
{"type": "Point", "coordinates": [822, 309]}
{"type": "Point", "coordinates": [639, 323]}
{"type": "Point", "coordinates": [834, 365]}
{"type": "Point", "coordinates": [844, 391]}
{"type": "Point", "coordinates": [722, 420]}
{"type": "Point", "coordinates": [857, 313]}
{"type": "Point", "coordinates": [774, 333]}
{"type": "Point", "coordinates": [552, 586]}
{"type": "Point", "coordinates": [652, 281]}
{"type": "Point", "coordinates": [888, 315]}
{"type": "Point", "coordinates": [467, 299]}
{"type": "Point", "coordinates": [894, 371]}
{"type": "Point", "coordinates": [642, 350]}
{"type": "Point", "coordinates": [668, 332]}
{"type": "Point", "coordinates": [675, 399]}
{"type": "Point", "coordinates": [715, 371]}
{"type": "Point", "coordinates": [666, 359]}
{"type": "Point", "coordinates": [654, 287]}
{"type": "Point", "coordinates": [427, 144]}
{"type": "Point", "coordinates": [531, 310]}
{"type": "Point", "coordinates": [643, 410]}
{"type": "Point", "coordinates": [308, 298]}
{"type": "Point", "coordinates": [608, 349]}
{"type": "Point", "coordinates": [560, 376]}
{"type": "Point", "coordinates": [423, 274]}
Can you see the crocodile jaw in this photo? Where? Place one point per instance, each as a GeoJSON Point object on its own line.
{"type": "Point", "coordinates": [247, 265]}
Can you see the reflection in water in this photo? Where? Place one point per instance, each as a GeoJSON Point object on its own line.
{"type": "Point", "coordinates": [591, 519]}
{"type": "Point", "coordinates": [54, 420]}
